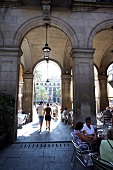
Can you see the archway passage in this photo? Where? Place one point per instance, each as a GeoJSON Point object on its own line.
{"type": "Point", "coordinates": [103, 57]}
{"type": "Point", "coordinates": [47, 83]}
{"type": "Point", "coordinates": [32, 45]}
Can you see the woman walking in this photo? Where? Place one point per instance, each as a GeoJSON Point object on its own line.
{"type": "Point", "coordinates": [47, 113]}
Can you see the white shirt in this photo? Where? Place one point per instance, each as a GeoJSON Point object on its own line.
{"type": "Point", "coordinates": [89, 131]}
{"type": "Point", "coordinates": [40, 110]}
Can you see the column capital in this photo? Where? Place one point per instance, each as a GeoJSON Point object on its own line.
{"type": "Point", "coordinates": [102, 77]}
{"type": "Point", "coordinates": [27, 76]}
{"type": "Point", "coordinates": [64, 76]}
{"type": "Point", "coordinates": [10, 51]}
{"type": "Point", "coordinates": [82, 51]}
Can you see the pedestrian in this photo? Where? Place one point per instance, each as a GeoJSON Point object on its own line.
{"type": "Point", "coordinates": [56, 111]}
{"type": "Point", "coordinates": [47, 113]}
{"type": "Point", "coordinates": [65, 113]}
{"type": "Point", "coordinates": [40, 112]}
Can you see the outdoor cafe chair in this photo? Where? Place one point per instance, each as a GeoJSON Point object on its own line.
{"type": "Point", "coordinates": [81, 155]}
{"type": "Point", "coordinates": [100, 164]}
{"type": "Point", "coordinates": [107, 119]}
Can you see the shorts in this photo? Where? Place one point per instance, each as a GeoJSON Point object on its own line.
{"type": "Point", "coordinates": [48, 118]}
{"type": "Point", "coordinates": [41, 118]}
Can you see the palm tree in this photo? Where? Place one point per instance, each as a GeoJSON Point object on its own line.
{"type": "Point", "coordinates": [37, 76]}
{"type": "Point", "coordinates": [41, 93]}
{"type": "Point", "coordinates": [58, 93]}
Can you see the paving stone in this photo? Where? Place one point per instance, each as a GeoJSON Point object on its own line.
{"type": "Point", "coordinates": [30, 167]}
{"type": "Point", "coordinates": [57, 166]}
{"type": "Point", "coordinates": [60, 158]}
{"type": "Point", "coordinates": [54, 153]}
{"type": "Point", "coordinates": [11, 154]}
{"type": "Point", "coordinates": [5, 167]}
{"type": "Point", "coordinates": [17, 161]}
{"type": "Point", "coordinates": [33, 153]}
{"type": "Point", "coordinates": [45, 159]}
{"type": "Point", "coordinates": [2, 160]}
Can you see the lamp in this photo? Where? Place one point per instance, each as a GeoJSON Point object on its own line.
{"type": "Point", "coordinates": [46, 49]}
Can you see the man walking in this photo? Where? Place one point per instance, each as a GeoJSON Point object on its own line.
{"type": "Point", "coordinates": [40, 111]}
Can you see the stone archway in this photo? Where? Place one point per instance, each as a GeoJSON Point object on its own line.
{"type": "Point", "coordinates": [23, 31]}
{"type": "Point", "coordinates": [37, 22]}
{"type": "Point", "coordinates": [100, 39]}
{"type": "Point", "coordinates": [96, 29]}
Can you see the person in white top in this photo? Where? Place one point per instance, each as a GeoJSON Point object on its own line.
{"type": "Point", "coordinates": [88, 129]}
{"type": "Point", "coordinates": [40, 112]}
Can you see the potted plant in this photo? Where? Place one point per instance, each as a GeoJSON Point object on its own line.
{"type": "Point", "coordinates": [7, 106]}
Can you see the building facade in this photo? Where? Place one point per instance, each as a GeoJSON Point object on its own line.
{"type": "Point", "coordinates": [51, 88]}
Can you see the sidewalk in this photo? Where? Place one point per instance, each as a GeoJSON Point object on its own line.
{"type": "Point", "coordinates": [46, 151]}
{"type": "Point", "coordinates": [58, 132]}
{"type": "Point", "coordinates": [34, 151]}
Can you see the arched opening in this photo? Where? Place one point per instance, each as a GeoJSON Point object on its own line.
{"type": "Point", "coordinates": [103, 45]}
{"type": "Point", "coordinates": [33, 59]}
{"type": "Point", "coordinates": [46, 84]}
{"type": "Point", "coordinates": [110, 85]}
{"type": "Point", "coordinates": [97, 92]}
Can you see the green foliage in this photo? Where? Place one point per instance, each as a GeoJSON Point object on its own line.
{"type": "Point", "coordinates": [37, 76]}
{"type": "Point", "coordinates": [41, 93]}
{"type": "Point", "coordinates": [58, 92]}
{"type": "Point", "coordinates": [7, 106]}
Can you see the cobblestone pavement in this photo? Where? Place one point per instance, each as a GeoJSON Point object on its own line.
{"type": "Point", "coordinates": [34, 151]}
{"type": "Point", "coordinates": [40, 151]}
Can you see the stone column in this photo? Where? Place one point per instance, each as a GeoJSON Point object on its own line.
{"type": "Point", "coordinates": [28, 94]}
{"type": "Point", "coordinates": [9, 79]}
{"type": "Point", "coordinates": [66, 92]}
{"type": "Point", "coordinates": [83, 85]}
{"type": "Point", "coordinates": [103, 92]}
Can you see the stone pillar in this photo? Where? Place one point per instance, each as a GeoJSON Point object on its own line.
{"type": "Point", "coordinates": [66, 92]}
{"type": "Point", "coordinates": [28, 94]}
{"type": "Point", "coordinates": [9, 79]}
{"type": "Point", "coordinates": [83, 85]}
{"type": "Point", "coordinates": [103, 92]}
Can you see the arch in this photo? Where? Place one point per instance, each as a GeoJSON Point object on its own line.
{"type": "Point", "coordinates": [27, 56]}
{"type": "Point", "coordinates": [97, 28]}
{"type": "Point", "coordinates": [50, 60]}
{"type": "Point", "coordinates": [37, 21]}
{"type": "Point", "coordinates": [96, 67]}
{"type": "Point", "coordinates": [106, 59]}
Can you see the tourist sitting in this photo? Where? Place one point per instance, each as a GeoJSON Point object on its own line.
{"type": "Point", "coordinates": [89, 130]}
{"type": "Point", "coordinates": [107, 115]}
{"type": "Point", "coordinates": [106, 147]}
{"type": "Point", "coordinates": [79, 135]}
{"type": "Point", "coordinates": [107, 112]}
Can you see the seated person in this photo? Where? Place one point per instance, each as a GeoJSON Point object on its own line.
{"type": "Point", "coordinates": [89, 130]}
{"type": "Point", "coordinates": [107, 115]}
{"type": "Point", "coordinates": [78, 135]}
{"type": "Point", "coordinates": [106, 147]}
{"type": "Point", "coordinates": [107, 112]}
{"type": "Point", "coordinates": [65, 113]}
